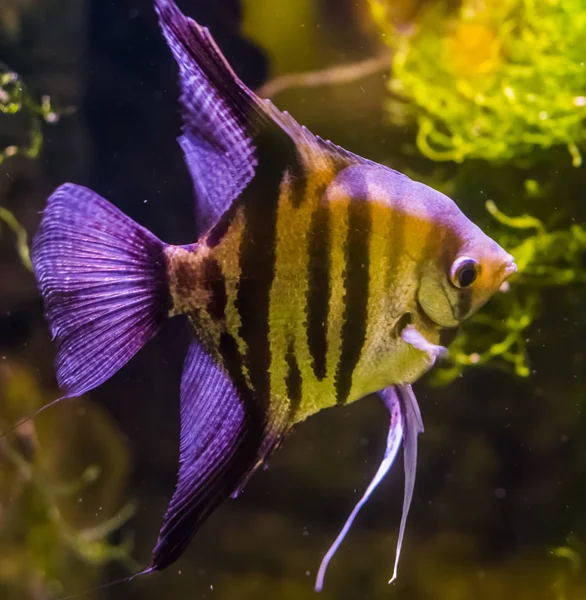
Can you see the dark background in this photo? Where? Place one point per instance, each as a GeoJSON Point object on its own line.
{"type": "Point", "coordinates": [502, 460]}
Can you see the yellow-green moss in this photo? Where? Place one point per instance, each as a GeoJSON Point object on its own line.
{"type": "Point", "coordinates": [492, 80]}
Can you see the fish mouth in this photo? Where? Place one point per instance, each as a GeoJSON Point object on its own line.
{"type": "Point", "coordinates": [509, 269]}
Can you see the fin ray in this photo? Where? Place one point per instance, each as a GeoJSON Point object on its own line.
{"type": "Point", "coordinates": [405, 426]}
{"type": "Point", "coordinates": [412, 427]}
{"type": "Point", "coordinates": [217, 111]}
{"type": "Point", "coordinates": [98, 316]}
{"type": "Point", "coordinates": [222, 439]}
{"type": "Point", "coordinates": [394, 438]}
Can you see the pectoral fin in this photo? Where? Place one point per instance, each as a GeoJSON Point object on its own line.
{"type": "Point", "coordinates": [222, 440]}
{"type": "Point", "coordinates": [405, 425]}
{"type": "Point", "coordinates": [413, 336]}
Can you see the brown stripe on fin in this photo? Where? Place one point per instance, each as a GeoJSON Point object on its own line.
{"type": "Point", "coordinates": [215, 283]}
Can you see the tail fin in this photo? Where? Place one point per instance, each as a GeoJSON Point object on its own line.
{"type": "Point", "coordinates": [103, 279]}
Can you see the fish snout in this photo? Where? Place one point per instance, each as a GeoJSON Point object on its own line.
{"type": "Point", "coordinates": [510, 268]}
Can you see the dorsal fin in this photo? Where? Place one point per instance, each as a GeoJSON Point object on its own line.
{"type": "Point", "coordinates": [216, 110]}
{"type": "Point", "coordinates": [222, 119]}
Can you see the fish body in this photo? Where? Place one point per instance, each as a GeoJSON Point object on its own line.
{"type": "Point", "coordinates": [318, 277]}
{"type": "Point", "coordinates": [342, 266]}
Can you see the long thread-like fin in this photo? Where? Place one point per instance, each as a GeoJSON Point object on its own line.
{"type": "Point", "coordinates": [30, 417]}
{"type": "Point", "coordinates": [104, 284]}
{"type": "Point", "coordinates": [108, 585]}
{"type": "Point", "coordinates": [394, 438]}
{"type": "Point", "coordinates": [412, 427]}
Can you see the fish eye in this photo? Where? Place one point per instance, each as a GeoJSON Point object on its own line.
{"type": "Point", "coordinates": [464, 272]}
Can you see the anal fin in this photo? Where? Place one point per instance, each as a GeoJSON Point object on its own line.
{"type": "Point", "coordinates": [222, 439]}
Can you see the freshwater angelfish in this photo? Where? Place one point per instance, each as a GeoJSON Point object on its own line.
{"type": "Point", "coordinates": [318, 277]}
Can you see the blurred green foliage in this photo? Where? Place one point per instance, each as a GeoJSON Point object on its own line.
{"type": "Point", "coordinates": [21, 236]}
{"type": "Point", "coordinates": [14, 100]}
{"type": "Point", "coordinates": [544, 259]}
{"type": "Point", "coordinates": [50, 540]}
{"type": "Point", "coordinates": [489, 83]}
{"type": "Point", "coordinates": [491, 80]}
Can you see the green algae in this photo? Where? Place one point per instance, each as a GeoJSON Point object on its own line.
{"type": "Point", "coordinates": [491, 80]}
{"type": "Point", "coordinates": [15, 99]}
{"type": "Point", "coordinates": [45, 528]}
{"type": "Point", "coordinates": [499, 83]}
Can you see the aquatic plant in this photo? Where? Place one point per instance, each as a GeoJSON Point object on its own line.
{"type": "Point", "coordinates": [570, 557]}
{"type": "Point", "coordinates": [492, 80]}
{"type": "Point", "coordinates": [44, 527]}
{"type": "Point", "coordinates": [16, 99]}
{"type": "Point", "coordinates": [44, 531]}
{"type": "Point", "coordinates": [21, 236]}
{"type": "Point", "coordinates": [544, 259]}
{"type": "Point", "coordinates": [510, 79]}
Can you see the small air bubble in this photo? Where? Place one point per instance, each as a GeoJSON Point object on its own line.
{"type": "Point", "coordinates": [500, 493]}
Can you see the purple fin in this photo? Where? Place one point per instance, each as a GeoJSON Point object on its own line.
{"type": "Point", "coordinates": [217, 108]}
{"type": "Point", "coordinates": [104, 284]}
{"type": "Point", "coordinates": [405, 425]}
{"type": "Point", "coordinates": [222, 440]}
{"type": "Point", "coordinates": [228, 131]}
{"type": "Point", "coordinates": [394, 439]}
{"type": "Point", "coordinates": [412, 427]}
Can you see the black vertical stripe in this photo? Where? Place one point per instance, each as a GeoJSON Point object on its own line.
{"type": "Point", "coordinates": [298, 183]}
{"type": "Point", "coordinates": [396, 243]}
{"type": "Point", "coordinates": [356, 296]}
{"type": "Point", "coordinates": [215, 284]}
{"type": "Point", "coordinates": [318, 291]}
{"type": "Point", "coordinates": [232, 360]}
{"type": "Point", "coordinates": [293, 379]}
{"type": "Point", "coordinates": [258, 257]}
{"type": "Point", "coordinates": [257, 269]}
{"type": "Point", "coordinates": [464, 303]}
